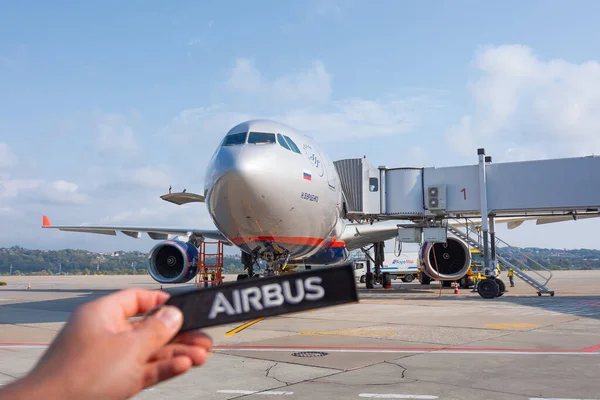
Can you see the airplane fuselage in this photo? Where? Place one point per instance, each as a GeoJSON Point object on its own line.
{"type": "Point", "coordinates": [269, 188]}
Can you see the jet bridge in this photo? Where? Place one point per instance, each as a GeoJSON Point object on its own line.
{"type": "Point", "coordinates": [430, 197]}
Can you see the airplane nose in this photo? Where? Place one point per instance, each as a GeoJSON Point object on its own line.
{"type": "Point", "coordinates": [242, 185]}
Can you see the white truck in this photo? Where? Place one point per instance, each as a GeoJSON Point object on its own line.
{"type": "Point", "coordinates": [405, 266]}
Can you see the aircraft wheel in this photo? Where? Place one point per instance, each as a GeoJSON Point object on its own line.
{"type": "Point", "coordinates": [501, 287]}
{"type": "Point", "coordinates": [424, 279]}
{"type": "Point", "coordinates": [488, 289]}
{"type": "Point", "coordinates": [369, 280]}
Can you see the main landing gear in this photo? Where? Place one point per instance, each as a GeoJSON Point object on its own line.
{"type": "Point", "coordinates": [277, 263]}
{"type": "Point", "coordinates": [248, 261]}
{"type": "Point", "coordinates": [491, 287]}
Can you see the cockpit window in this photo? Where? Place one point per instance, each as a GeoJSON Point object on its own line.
{"type": "Point", "coordinates": [292, 145]}
{"type": "Point", "coordinates": [235, 139]}
{"type": "Point", "coordinates": [282, 141]}
{"type": "Point", "coordinates": [261, 137]}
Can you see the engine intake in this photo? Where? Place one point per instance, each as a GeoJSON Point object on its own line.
{"type": "Point", "coordinates": [448, 261]}
{"type": "Point", "coordinates": [173, 261]}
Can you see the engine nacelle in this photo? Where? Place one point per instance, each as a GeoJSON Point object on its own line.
{"type": "Point", "coordinates": [448, 261]}
{"type": "Point", "coordinates": [173, 261]}
{"type": "Point", "coordinates": [333, 255]}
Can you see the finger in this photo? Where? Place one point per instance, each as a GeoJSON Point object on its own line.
{"type": "Point", "coordinates": [130, 302]}
{"type": "Point", "coordinates": [154, 332]}
{"type": "Point", "coordinates": [162, 370]}
{"type": "Point", "coordinates": [197, 355]}
{"type": "Point", "coordinates": [194, 338]}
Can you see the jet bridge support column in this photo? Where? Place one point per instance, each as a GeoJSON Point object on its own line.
{"type": "Point", "coordinates": [493, 261]}
{"type": "Point", "coordinates": [379, 257]}
{"type": "Point", "coordinates": [488, 288]}
{"type": "Point", "coordinates": [492, 242]}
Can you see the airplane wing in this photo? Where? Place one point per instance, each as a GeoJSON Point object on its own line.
{"type": "Point", "coordinates": [515, 222]}
{"type": "Point", "coordinates": [360, 235]}
{"type": "Point", "coordinates": [136, 232]}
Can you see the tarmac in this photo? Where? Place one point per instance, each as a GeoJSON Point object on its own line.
{"type": "Point", "coordinates": [408, 342]}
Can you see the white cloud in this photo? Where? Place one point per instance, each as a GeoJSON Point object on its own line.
{"type": "Point", "coordinates": [7, 158]}
{"type": "Point", "coordinates": [323, 118]}
{"type": "Point", "coordinates": [244, 76]}
{"type": "Point", "coordinates": [20, 191]}
{"type": "Point", "coordinates": [60, 192]}
{"type": "Point", "coordinates": [309, 86]}
{"type": "Point", "coordinates": [339, 121]}
{"type": "Point", "coordinates": [327, 8]}
{"type": "Point", "coordinates": [5, 210]}
{"type": "Point", "coordinates": [10, 188]}
{"type": "Point", "coordinates": [151, 177]}
{"type": "Point", "coordinates": [526, 106]}
{"type": "Point", "coordinates": [115, 135]}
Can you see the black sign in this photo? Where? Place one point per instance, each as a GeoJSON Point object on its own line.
{"type": "Point", "coordinates": [253, 298]}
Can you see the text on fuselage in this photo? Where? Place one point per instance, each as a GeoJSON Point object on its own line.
{"type": "Point", "coordinates": [309, 197]}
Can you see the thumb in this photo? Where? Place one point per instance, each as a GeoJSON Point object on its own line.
{"type": "Point", "coordinates": [159, 329]}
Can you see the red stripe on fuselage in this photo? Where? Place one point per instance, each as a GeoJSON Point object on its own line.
{"type": "Point", "coordinates": [302, 241]}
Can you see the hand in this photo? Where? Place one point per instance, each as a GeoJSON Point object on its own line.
{"type": "Point", "coordinates": [99, 354]}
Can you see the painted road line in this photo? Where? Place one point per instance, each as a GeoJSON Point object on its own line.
{"type": "Point", "coordinates": [243, 326]}
{"type": "Point", "coordinates": [348, 333]}
{"type": "Point", "coordinates": [590, 351]}
{"type": "Point", "coordinates": [268, 392]}
{"type": "Point", "coordinates": [396, 396]}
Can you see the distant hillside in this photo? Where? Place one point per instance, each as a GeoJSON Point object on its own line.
{"type": "Point", "coordinates": [69, 261]}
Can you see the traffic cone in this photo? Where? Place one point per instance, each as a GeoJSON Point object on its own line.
{"type": "Point", "coordinates": [455, 287]}
{"type": "Point", "coordinates": [29, 286]}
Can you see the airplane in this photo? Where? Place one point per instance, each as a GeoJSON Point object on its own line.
{"type": "Point", "coordinates": [274, 193]}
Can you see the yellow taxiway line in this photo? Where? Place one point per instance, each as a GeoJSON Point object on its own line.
{"type": "Point", "coordinates": [243, 326]}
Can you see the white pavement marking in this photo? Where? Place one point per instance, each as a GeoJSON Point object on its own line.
{"type": "Point", "coordinates": [396, 396]}
{"type": "Point", "coordinates": [217, 349]}
{"type": "Point", "coordinates": [274, 393]}
{"type": "Point", "coordinates": [474, 352]}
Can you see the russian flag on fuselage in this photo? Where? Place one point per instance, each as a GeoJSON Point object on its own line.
{"type": "Point", "coordinates": [307, 175]}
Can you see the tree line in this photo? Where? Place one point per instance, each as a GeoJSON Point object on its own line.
{"type": "Point", "coordinates": [20, 261]}
{"type": "Point", "coordinates": [82, 262]}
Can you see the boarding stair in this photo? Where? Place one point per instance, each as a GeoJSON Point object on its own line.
{"type": "Point", "coordinates": [508, 256]}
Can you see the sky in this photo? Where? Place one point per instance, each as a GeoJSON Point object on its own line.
{"type": "Point", "coordinates": [104, 104]}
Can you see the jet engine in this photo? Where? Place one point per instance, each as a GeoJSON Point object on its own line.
{"type": "Point", "coordinates": [173, 261]}
{"type": "Point", "coordinates": [448, 261]}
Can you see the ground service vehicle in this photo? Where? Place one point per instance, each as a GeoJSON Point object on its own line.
{"type": "Point", "coordinates": [404, 266]}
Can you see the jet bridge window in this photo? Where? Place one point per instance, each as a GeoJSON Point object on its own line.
{"type": "Point", "coordinates": [235, 139]}
{"type": "Point", "coordinates": [373, 184]}
{"type": "Point", "coordinates": [282, 141]}
{"type": "Point", "coordinates": [293, 146]}
{"type": "Point", "coordinates": [261, 137]}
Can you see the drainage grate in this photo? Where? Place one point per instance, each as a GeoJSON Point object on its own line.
{"type": "Point", "coordinates": [309, 354]}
